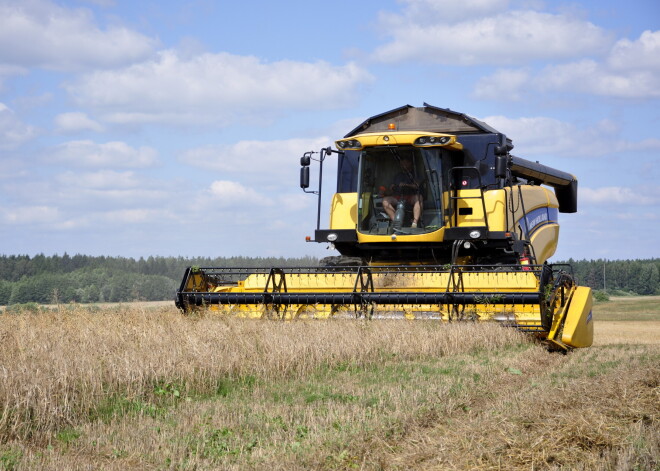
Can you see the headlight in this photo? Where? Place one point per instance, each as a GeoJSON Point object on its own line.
{"type": "Point", "coordinates": [331, 237]}
{"type": "Point", "coordinates": [475, 234]}
{"type": "Point", "coordinates": [349, 144]}
{"type": "Point", "coordinates": [426, 141]}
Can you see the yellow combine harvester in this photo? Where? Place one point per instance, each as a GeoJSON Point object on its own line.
{"type": "Point", "coordinates": [434, 219]}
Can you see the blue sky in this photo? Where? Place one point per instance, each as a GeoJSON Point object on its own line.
{"type": "Point", "coordinates": [175, 128]}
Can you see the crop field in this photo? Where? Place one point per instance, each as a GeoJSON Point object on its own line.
{"type": "Point", "coordinates": [143, 387]}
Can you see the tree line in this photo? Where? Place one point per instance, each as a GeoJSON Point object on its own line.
{"type": "Point", "coordinates": [629, 276]}
{"type": "Point", "coordinates": [88, 279]}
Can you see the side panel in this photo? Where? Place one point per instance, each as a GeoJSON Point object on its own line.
{"type": "Point", "coordinates": [544, 241]}
{"type": "Point", "coordinates": [579, 327]}
{"type": "Point", "coordinates": [539, 223]}
{"type": "Point", "coordinates": [471, 211]}
{"type": "Point", "coordinates": [343, 211]}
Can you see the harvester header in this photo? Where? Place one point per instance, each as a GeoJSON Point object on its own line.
{"type": "Point", "coordinates": [432, 217]}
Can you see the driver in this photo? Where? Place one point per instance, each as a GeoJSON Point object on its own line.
{"type": "Point", "coordinates": [408, 188]}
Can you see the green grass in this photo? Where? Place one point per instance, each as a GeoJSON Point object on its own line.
{"type": "Point", "coordinates": [638, 308]}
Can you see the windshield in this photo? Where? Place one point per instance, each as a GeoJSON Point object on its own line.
{"type": "Point", "coordinates": [400, 190]}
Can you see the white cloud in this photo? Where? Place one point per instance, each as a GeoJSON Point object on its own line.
{"type": "Point", "coordinates": [264, 159]}
{"type": "Point", "coordinates": [43, 34]}
{"type": "Point", "coordinates": [76, 121]}
{"type": "Point", "coordinates": [550, 136]}
{"type": "Point", "coordinates": [115, 154]}
{"type": "Point", "coordinates": [503, 84]}
{"type": "Point", "coordinates": [8, 70]}
{"type": "Point", "coordinates": [133, 216]}
{"type": "Point", "coordinates": [631, 70]}
{"type": "Point", "coordinates": [13, 132]}
{"type": "Point", "coordinates": [618, 195]}
{"type": "Point", "coordinates": [426, 12]}
{"type": "Point", "coordinates": [101, 180]}
{"type": "Point", "coordinates": [29, 214]}
{"type": "Point", "coordinates": [512, 37]}
{"type": "Point", "coordinates": [642, 54]}
{"type": "Point", "coordinates": [101, 3]}
{"type": "Point", "coordinates": [589, 76]}
{"type": "Point", "coordinates": [295, 202]}
{"type": "Point", "coordinates": [230, 194]}
{"type": "Point", "coordinates": [219, 87]}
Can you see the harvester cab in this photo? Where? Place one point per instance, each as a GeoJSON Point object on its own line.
{"type": "Point", "coordinates": [433, 217]}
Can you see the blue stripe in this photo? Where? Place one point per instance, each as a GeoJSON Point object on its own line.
{"type": "Point", "coordinates": [538, 218]}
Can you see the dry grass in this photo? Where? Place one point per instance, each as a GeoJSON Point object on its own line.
{"type": "Point", "coordinates": [56, 367]}
{"type": "Point", "coordinates": [626, 332]}
{"type": "Point", "coordinates": [149, 389]}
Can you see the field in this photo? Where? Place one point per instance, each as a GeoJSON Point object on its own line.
{"type": "Point", "coordinates": [142, 387]}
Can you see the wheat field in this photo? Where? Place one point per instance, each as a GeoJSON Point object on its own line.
{"type": "Point", "coordinates": [139, 387]}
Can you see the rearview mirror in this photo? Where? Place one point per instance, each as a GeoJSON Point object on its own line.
{"type": "Point", "coordinates": [304, 175]}
{"type": "Point", "coordinates": [501, 162]}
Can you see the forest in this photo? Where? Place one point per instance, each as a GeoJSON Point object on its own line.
{"type": "Point", "coordinates": [95, 279]}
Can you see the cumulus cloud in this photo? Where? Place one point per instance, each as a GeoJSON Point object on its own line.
{"type": "Point", "coordinates": [13, 132]}
{"type": "Point", "coordinates": [115, 154]}
{"type": "Point", "coordinates": [550, 136]}
{"type": "Point", "coordinates": [433, 32]}
{"type": "Point", "coordinates": [100, 180]}
{"type": "Point", "coordinates": [619, 195]}
{"type": "Point", "coordinates": [503, 84]}
{"type": "Point", "coordinates": [8, 70]}
{"type": "Point", "coordinates": [74, 122]}
{"type": "Point", "coordinates": [630, 70]}
{"type": "Point", "coordinates": [261, 159]}
{"type": "Point", "coordinates": [29, 214]}
{"type": "Point", "coordinates": [222, 86]}
{"type": "Point", "coordinates": [230, 194]}
{"type": "Point", "coordinates": [133, 216]}
{"type": "Point", "coordinates": [589, 76]}
{"type": "Point", "coordinates": [427, 12]}
{"type": "Point", "coordinates": [642, 54]}
{"type": "Point", "coordinates": [39, 33]}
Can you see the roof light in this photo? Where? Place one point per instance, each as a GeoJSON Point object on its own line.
{"type": "Point", "coordinates": [391, 126]}
{"type": "Point", "coordinates": [434, 140]}
{"type": "Point", "coordinates": [349, 144]}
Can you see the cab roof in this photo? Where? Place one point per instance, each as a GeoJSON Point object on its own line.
{"type": "Point", "coordinates": [427, 118]}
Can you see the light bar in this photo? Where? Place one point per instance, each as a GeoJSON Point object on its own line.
{"type": "Point", "coordinates": [349, 144]}
{"type": "Point", "coordinates": [430, 141]}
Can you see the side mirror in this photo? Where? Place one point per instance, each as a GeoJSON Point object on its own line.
{"type": "Point", "coordinates": [503, 147]}
{"type": "Point", "coordinates": [501, 164]}
{"type": "Point", "coordinates": [305, 160]}
{"type": "Point", "coordinates": [304, 175]}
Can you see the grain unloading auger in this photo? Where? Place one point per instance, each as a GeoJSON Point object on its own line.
{"type": "Point", "coordinates": [433, 218]}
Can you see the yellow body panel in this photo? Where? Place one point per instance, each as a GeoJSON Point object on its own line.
{"type": "Point", "coordinates": [343, 211]}
{"type": "Point", "coordinates": [544, 242]}
{"type": "Point", "coordinates": [544, 238]}
{"type": "Point", "coordinates": [579, 327]}
{"type": "Point", "coordinates": [416, 282]}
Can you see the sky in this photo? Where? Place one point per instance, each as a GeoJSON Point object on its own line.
{"type": "Point", "coordinates": [163, 128]}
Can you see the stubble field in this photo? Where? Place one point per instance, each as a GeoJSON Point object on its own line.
{"type": "Point", "coordinates": [142, 387]}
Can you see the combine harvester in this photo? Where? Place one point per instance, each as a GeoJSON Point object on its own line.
{"type": "Point", "coordinates": [434, 219]}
